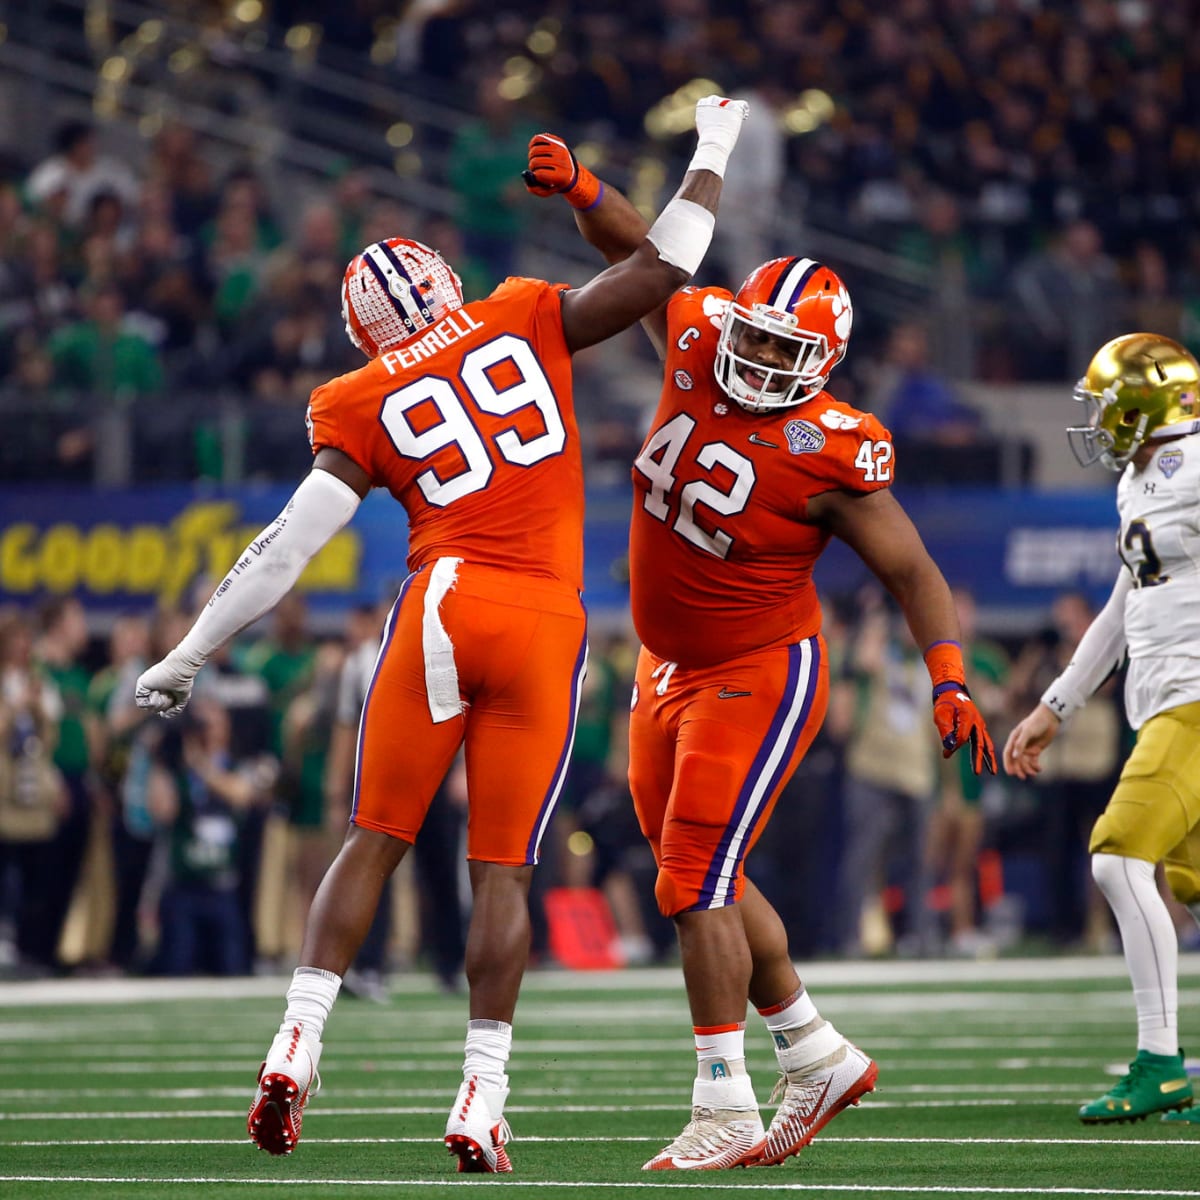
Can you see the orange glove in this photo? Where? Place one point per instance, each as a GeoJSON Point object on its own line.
{"type": "Point", "coordinates": [957, 719]}
{"type": "Point", "coordinates": [553, 170]}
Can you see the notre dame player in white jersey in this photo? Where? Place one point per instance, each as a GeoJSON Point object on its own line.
{"type": "Point", "coordinates": [1143, 398]}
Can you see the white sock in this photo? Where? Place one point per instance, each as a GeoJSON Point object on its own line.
{"type": "Point", "coordinates": [720, 1052]}
{"type": "Point", "coordinates": [1150, 944]}
{"type": "Point", "coordinates": [489, 1044]}
{"type": "Point", "coordinates": [310, 999]}
{"type": "Point", "coordinates": [735, 1092]}
{"type": "Point", "coordinates": [791, 1014]}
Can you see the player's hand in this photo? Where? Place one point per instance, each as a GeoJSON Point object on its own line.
{"type": "Point", "coordinates": [166, 687]}
{"type": "Point", "coordinates": [718, 117]}
{"type": "Point", "coordinates": [959, 722]}
{"type": "Point", "coordinates": [553, 168]}
{"type": "Point", "coordinates": [1023, 750]}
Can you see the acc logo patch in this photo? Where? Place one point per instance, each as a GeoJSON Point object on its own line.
{"type": "Point", "coordinates": [832, 419]}
{"type": "Point", "coordinates": [803, 437]}
{"type": "Point", "coordinates": [1169, 461]}
{"type": "Point", "coordinates": [683, 381]}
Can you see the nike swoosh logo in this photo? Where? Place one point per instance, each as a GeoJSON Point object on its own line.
{"type": "Point", "coordinates": [726, 694]}
{"type": "Point", "coordinates": [810, 1114]}
{"type": "Point", "coordinates": [1172, 1085]}
{"type": "Point", "coordinates": [758, 441]}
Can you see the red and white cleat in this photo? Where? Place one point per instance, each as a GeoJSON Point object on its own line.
{"type": "Point", "coordinates": [477, 1132]}
{"type": "Point", "coordinates": [286, 1080]}
{"type": "Point", "coordinates": [715, 1138]}
{"type": "Point", "coordinates": [807, 1103]}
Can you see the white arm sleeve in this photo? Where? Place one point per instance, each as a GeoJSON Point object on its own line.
{"type": "Point", "coordinates": [1098, 654]}
{"type": "Point", "coordinates": [269, 566]}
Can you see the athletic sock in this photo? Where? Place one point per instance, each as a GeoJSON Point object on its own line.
{"type": "Point", "coordinates": [1150, 944]}
{"type": "Point", "coordinates": [310, 998]}
{"type": "Point", "coordinates": [803, 1039]}
{"type": "Point", "coordinates": [720, 1050]}
{"type": "Point", "coordinates": [488, 1046]}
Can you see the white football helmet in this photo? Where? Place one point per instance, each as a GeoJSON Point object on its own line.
{"type": "Point", "coordinates": [395, 289]}
{"type": "Point", "coordinates": [796, 302]}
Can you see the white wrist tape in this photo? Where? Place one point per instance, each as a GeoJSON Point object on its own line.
{"type": "Point", "coordinates": [712, 154]}
{"type": "Point", "coordinates": [268, 567]}
{"type": "Point", "coordinates": [682, 234]}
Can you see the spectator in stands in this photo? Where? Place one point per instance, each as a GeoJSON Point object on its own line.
{"type": "Point", "coordinates": [61, 644]}
{"type": "Point", "coordinates": [956, 827]}
{"type": "Point", "coordinates": [889, 788]}
{"type": "Point", "coordinates": [1079, 772]}
{"type": "Point", "coordinates": [129, 743]}
{"type": "Point", "coordinates": [33, 797]}
{"type": "Point", "coordinates": [917, 403]}
{"type": "Point", "coordinates": [65, 184]}
{"type": "Point", "coordinates": [1064, 301]}
{"type": "Point", "coordinates": [491, 209]}
{"type": "Point", "coordinates": [199, 795]}
{"type": "Point", "coordinates": [100, 356]}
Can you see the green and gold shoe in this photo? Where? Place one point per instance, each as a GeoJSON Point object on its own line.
{"type": "Point", "coordinates": [1185, 1116]}
{"type": "Point", "coordinates": [1155, 1083]}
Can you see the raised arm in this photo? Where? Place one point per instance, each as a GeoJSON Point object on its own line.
{"type": "Point", "coordinates": [264, 572]}
{"type": "Point", "coordinates": [650, 261]}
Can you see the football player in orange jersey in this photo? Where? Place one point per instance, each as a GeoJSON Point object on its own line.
{"type": "Point", "coordinates": [749, 469]}
{"type": "Point", "coordinates": [465, 414]}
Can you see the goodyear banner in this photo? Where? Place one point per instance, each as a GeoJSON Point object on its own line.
{"type": "Point", "coordinates": [144, 547]}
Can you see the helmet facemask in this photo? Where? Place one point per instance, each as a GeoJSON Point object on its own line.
{"type": "Point", "coordinates": [1111, 436]}
{"type": "Point", "coordinates": [761, 388]}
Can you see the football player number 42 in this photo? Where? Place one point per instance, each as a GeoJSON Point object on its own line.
{"type": "Point", "coordinates": [456, 428]}
{"type": "Point", "coordinates": [660, 456]}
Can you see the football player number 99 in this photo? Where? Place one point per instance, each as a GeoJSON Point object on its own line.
{"type": "Point", "coordinates": [456, 428]}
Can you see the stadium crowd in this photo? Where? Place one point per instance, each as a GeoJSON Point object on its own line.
{"type": "Point", "coordinates": [980, 145]}
{"type": "Point", "coordinates": [132, 844]}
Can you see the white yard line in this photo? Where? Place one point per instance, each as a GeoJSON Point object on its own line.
{"type": "Point", "coordinates": [507, 1182]}
{"type": "Point", "coordinates": [822, 974]}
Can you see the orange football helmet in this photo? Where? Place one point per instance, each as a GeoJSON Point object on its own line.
{"type": "Point", "coordinates": [794, 302]}
{"type": "Point", "coordinates": [393, 290]}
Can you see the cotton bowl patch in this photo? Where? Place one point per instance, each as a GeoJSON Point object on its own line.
{"type": "Point", "coordinates": [803, 437]}
{"type": "Point", "coordinates": [1169, 461]}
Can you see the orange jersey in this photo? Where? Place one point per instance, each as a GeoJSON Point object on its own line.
{"type": "Point", "coordinates": [471, 426]}
{"type": "Point", "coordinates": [721, 552]}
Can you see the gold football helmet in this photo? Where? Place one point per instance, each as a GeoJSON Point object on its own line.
{"type": "Point", "coordinates": [1138, 388]}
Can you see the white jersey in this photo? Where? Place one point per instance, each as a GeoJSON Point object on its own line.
{"type": "Point", "coordinates": [1159, 542]}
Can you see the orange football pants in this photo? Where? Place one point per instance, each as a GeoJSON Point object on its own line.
{"type": "Point", "coordinates": [520, 649]}
{"type": "Point", "coordinates": [709, 752]}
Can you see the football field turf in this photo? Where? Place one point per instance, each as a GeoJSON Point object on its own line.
{"type": "Point", "coordinates": [139, 1089]}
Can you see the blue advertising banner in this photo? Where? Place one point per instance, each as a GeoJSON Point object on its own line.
{"type": "Point", "coordinates": [138, 548]}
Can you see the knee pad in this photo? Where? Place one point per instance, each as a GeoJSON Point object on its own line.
{"type": "Point", "coordinates": [1184, 882]}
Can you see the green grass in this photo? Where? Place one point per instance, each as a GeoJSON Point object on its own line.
{"type": "Point", "coordinates": [125, 1090]}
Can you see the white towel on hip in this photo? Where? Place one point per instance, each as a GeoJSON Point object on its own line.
{"type": "Point", "coordinates": [441, 672]}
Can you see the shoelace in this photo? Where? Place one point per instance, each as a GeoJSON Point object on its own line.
{"type": "Point", "coordinates": [703, 1134]}
{"type": "Point", "coordinates": [1128, 1082]}
{"type": "Point", "coordinates": [805, 1091]}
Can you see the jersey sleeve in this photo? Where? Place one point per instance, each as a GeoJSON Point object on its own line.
{"type": "Point", "coordinates": [860, 456]}
{"type": "Point", "coordinates": [337, 418]}
{"type": "Point", "coordinates": [321, 419]}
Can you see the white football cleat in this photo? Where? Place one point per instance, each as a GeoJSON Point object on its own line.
{"type": "Point", "coordinates": [715, 1138]}
{"type": "Point", "coordinates": [808, 1102]}
{"type": "Point", "coordinates": [286, 1080]}
{"type": "Point", "coordinates": [477, 1132]}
